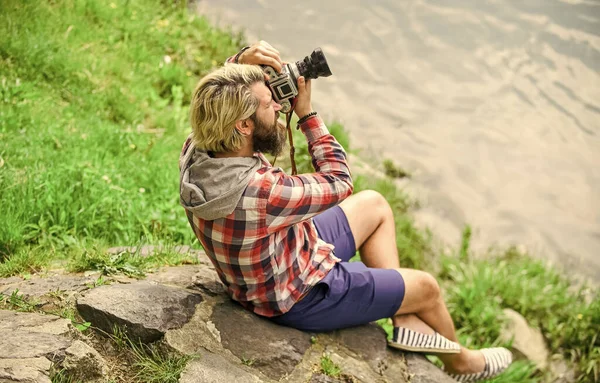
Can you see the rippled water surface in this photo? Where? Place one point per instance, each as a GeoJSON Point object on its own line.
{"type": "Point", "coordinates": [494, 106]}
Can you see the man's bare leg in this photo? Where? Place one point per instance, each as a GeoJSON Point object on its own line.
{"type": "Point", "coordinates": [423, 297]}
{"type": "Point", "coordinates": [371, 221]}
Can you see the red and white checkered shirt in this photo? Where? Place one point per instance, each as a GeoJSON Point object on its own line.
{"type": "Point", "coordinates": [267, 252]}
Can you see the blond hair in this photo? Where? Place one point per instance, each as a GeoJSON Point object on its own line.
{"type": "Point", "coordinates": [219, 100]}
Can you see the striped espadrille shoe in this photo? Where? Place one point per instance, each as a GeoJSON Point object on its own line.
{"type": "Point", "coordinates": [497, 360]}
{"type": "Point", "coordinates": [409, 340]}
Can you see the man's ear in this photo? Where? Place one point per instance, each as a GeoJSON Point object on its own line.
{"type": "Point", "coordinates": [245, 127]}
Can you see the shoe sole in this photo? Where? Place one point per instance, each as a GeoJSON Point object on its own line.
{"type": "Point", "coordinates": [423, 349]}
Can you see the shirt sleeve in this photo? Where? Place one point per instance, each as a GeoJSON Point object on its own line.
{"type": "Point", "coordinates": [293, 199]}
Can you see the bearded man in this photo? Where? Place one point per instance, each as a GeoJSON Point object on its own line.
{"type": "Point", "coordinates": [281, 244]}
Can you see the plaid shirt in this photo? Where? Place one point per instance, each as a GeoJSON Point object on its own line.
{"type": "Point", "coordinates": [267, 252]}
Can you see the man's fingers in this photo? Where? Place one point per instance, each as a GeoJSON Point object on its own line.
{"type": "Point", "coordinates": [268, 46]}
{"type": "Point", "coordinates": [270, 53]}
{"type": "Point", "coordinates": [301, 85]}
{"type": "Point", "coordinates": [271, 61]}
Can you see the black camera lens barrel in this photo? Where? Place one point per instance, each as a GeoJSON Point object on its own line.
{"type": "Point", "coordinates": [314, 66]}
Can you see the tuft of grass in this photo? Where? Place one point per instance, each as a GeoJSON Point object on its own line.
{"type": "Point", "coordinates": [25, 261]}
{"type": "Point", "coordinates": [156, 366]}
{"type": "Point", "coordinates": [394, 171]}
{"type": "Point", "coordinates": [101, 281]}
{"type": "Point", "coordinates": [329, 368]}
{"type": "Point", "coordinates": [131, 264]}
{"type": "Point", "coordinates": [247, 361]}
{"type": "Point", "coordinates": [18, 302]}
{"type": "Point", "coordinates": [152, 363]}
{"type": "Point", "coordinates": [58, 375]}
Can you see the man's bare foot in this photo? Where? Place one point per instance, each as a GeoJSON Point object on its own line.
{"type": "Point", "coordinates": [467, 362]}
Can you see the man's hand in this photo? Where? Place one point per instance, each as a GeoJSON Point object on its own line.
{"type": "Point", "coordinates": [261, 53]}
{"type": "Point", "coordinates": [303, 106]}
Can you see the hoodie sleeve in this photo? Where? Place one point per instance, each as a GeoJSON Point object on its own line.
{"type": "Point", "coordinates": [293, 199]}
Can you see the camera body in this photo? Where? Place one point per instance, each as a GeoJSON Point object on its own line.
{"type": "Point", "coordinates": [284, 85]}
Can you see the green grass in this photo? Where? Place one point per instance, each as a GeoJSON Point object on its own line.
{"type": "Point", "coordinates": [133, 265]}
{"type": "Point", "coordinates": [92, 118]}
{"type": "Point", "coordinates": [94, 100]}
{"type": "Point", "coordinates": [18, 302]}
{"type": "Point", "coordinates": [329, 368]}
{"type": "Point", "coordinates": [152, 363]}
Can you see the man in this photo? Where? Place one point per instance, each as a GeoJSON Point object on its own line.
{"type": "Point", "coordinates": [281, 243]}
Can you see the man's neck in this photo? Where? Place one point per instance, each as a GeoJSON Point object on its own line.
{"type": "Point", "coordinates": [244, 152]}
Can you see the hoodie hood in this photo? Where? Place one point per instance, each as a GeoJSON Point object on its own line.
{"type": "Point", "coordinates": [211, 187]}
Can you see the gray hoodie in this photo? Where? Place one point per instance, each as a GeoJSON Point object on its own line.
{"type": "Point", "coordinates": [211, 187]}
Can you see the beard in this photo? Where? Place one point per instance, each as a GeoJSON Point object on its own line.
{"type": "Point", "coordinates": [269, 138]}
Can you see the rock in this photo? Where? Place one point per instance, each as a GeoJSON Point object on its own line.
{"type": "Point", "coordinates": [352, 368]}
{"type": "Point", "coordinates": [25, 370]}
{"type": "Point", "coordinates": [207, 281]}
{"type": "Point", "coordinates": [32, 322]}
{"type": "Point", "coordinates": [22, 344]}
{"type": "Point", "coordinates": [82, 362]}
{"type": "Point", "coordinates": [198, 334]}
{"type": "Point", "coordinates": [211, 368]}
{"type": "Point", "coordinates": [36, 286]}
{"type": "Point", "coordinates": [147, 310]}
{"type": "Point", "coordinates": [189, 307]}
{"type": "Point", "coordinates": [30, 344]}
{"type": "Point", "coordinates": [322, 378]}
{"type": "Point", "coordinates": [274, 350]}
{"type": "Point", "coordinates": [528, 342]}
{"type": "Point", "coordinates": [181, 276]}
{"type": "Point", "coordinates": [560, 370]}
{"type": "Point", "coordinates": [423, 371]}
{"type": "Point", "coordinates": [368, 342]}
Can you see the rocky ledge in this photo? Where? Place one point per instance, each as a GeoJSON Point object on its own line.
{"type": "Point", "coordinates": [186, 310]}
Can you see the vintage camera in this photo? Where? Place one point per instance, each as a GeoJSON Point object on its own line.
{"type": "Point", "coordinates": [284, 85]}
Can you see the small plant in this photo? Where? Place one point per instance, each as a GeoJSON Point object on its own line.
{"type": "Point", "coordinates": [82, 326]}
{"type": "Point", "coordinates": [131, 265]}
{"type": "Point", "coordinates": [119, 337]}
{"type": "Point", "coordinates": [101, 281]}
{"type": "Point", "coordinates": [247, 361]}
{"type": "Point", "coordinates": [394, 171]}
{"type": "Point", "coordinates": [18, 302]}
{"type": "Point", "coordinates": [154, 365]}
{"type": "Point", "coordinates": [151, 362]}
{"type": "Point", "coordinates": [329, 368]}
{"type": "Point", "coordinates": [60, 376]}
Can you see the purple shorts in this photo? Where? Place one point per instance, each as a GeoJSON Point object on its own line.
{"type": "Point", "coordinates": [351, 294]}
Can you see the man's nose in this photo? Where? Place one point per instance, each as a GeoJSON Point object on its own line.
{"type": "Point", "coordinates": [276, 106]}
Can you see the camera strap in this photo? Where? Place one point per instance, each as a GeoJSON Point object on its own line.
{"type": "Point", "coordinates": [288, 119]}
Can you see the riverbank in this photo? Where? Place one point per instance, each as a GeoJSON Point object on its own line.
{"type": "Point", "coordinates": [94, 111]}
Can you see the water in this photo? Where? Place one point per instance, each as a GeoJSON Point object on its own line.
{"type": "Point", "coordinates": [493, 106]}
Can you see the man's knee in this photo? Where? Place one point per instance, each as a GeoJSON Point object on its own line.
{"type": "Point", "coordinates": [422, 290]}
{"type": "Point", "coordinates": [375, 201]}
{"type": "Point", "coordinates": [431, 288]}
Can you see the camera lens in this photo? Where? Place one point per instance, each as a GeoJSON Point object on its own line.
{"type": "Point", "coordinates": [314, 66]}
